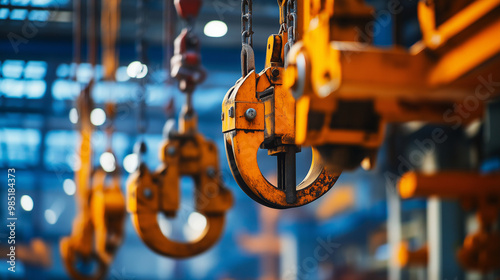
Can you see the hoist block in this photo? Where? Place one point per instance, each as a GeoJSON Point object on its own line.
{"type": "Point", "coordinates": [186, 61]}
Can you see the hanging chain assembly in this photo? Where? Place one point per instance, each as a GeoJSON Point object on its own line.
{"type": "Point", "coordinates": [110, 24]}
{"type": "Point", "coordinates": [183, 153]}
{"type": "Point", "coordinates": [259, 113]}
{"type": "Point", "coordinates": [108, 202]}
{"type": "Point", "coordinates": [79, 247]}
{"type": "Point", "coordinates": [99, 226]}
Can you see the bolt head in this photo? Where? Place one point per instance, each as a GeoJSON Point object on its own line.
{"type": "Point", "coordinates": [171, 151]}
{"type": "Point", "coordinates": [275, 72]}
{"type": "Point", "coordinates": [148, 193]}
{"type": "Point", "coordinates": [231, 112]}
{"type": "Point", "coordinates": [211, 172]}
{"type": "Point", "coordinates": [222, 116]}
{"type": "Point", "coordinates": [250, 114]}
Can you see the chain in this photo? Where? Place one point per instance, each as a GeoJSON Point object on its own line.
{"type": "Point", "coordinates": [169, 26]}
{"type": "Point", "coordinates": [246, 22]}
{"type": "Point", "coordinates": [110, 25]}
{"type": "Point", "coordinates": [291, 23]}
{"type": "Point", "coordinates": [247, 55]}
{"type": "Point", "coordinates": [77, 37]}
{"type": "Point", "coordinates": [141, 48]}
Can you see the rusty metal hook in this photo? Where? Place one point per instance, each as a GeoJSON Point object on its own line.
{"type": "Point", "coordinates": [242, 158]}
{"type": "Point", "coordinates": [187, 154]}
{"type": "Point", "coordinates": [271, 126]}
{"type": "Point", "coordinates": [79, 244]}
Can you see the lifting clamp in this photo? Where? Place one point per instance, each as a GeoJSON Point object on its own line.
{"type": "Point", "coordinates": [99, 227]}
{"type": "Point", "coordinates": [257, 112]}
{"type": "Point", "coordinates": [183, 153]}
{"type": "Point", "coordinates": [108, 214]}
{"type": "Point", "coordinates": [348, 91]}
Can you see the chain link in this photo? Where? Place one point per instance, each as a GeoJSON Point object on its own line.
{"type": "Point", "coordinates": [246, 22]}
{"type": "Point", "coordinates": [292, 21]}
{"type": "Point", "coordinates": [247, 55]}
{"type": "Point", "coordinates": [291, 25]}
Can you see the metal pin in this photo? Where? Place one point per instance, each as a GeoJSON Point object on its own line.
{"type": "Point", "coordinates": [286, 175]}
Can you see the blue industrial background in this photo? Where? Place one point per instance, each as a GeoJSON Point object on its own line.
{"type": "Point", "coordinates": [38, 139]}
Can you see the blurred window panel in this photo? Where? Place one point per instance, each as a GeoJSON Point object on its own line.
{"type": "Point", "coordinates": [32, 89]}
{"type": "Point", "coordinates": [4, 13]}
{"type": "Point", "coordinates": [65, 89]}
{"type": "Point", "coordinates": [35, 70]}
{"type": "Point", "coordinates": [20, 2]}
{"type": "Point", "coordinates": [41, 16]}
{"type": "Point", "coordinates": [12, 87]}
{"type": "Point", "coordinates": [21, 146]}
{"type": "Point", "coordinates": [35, 88]}
{"type": "Point", "coordinates": [49, 3]}
{"type": "Point", "coordinates": [116, 92]}
{"type": "Point", "coordinates": [18, 14]}
{"type": "Point", "coordinates": [12, 69]}
{"type": "Point", "coordinates": [63, 70]}
{"type": "Point", "coordinates": [23, 80]}
{"type": "Point", "coordinates": [61, 150]}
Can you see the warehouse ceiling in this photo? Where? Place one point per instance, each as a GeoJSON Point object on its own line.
{"type": "Point", "coordinates": [56, 26]}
